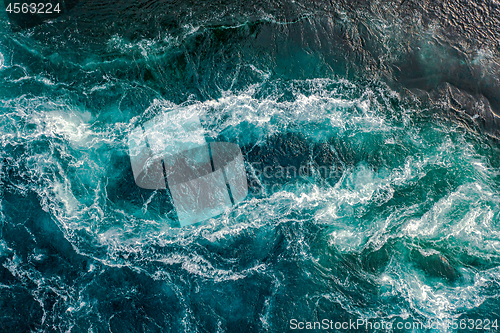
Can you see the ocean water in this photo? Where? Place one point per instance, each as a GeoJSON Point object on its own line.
{"type": "Point", "coordinates": [370, 138]}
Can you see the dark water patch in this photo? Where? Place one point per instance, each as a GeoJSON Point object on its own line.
{"type": "Point", "coordinates": [435, 264]}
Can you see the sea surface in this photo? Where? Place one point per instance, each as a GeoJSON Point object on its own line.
{"type": "Point", "coordinates": [370, 133]}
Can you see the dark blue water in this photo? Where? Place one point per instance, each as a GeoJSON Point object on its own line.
{"type": "Point", "coordinates": [391, 109]}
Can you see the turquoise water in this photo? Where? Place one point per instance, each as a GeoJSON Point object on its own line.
{"type": "Point", "coordinates": [380, 201]}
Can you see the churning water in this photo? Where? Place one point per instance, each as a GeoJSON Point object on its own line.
{"type": "Point", "coordinates": [369, 135]}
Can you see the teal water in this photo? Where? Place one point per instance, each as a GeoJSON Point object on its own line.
{"type": "Point", "coordinates": [395, 219]}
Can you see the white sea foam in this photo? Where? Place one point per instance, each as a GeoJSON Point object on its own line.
{"type": "Point", "coordinates": [73, 177]}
